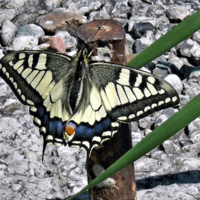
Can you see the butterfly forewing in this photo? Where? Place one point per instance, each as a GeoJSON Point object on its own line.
{"type": "Point", "coordinates": [129, 94]}
{"type": "Point", "coordinates": [39, 79]}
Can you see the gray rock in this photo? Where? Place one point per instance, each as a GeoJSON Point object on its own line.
{"type": "Point", "coordinates": [16, 4]}
{"type": "Point", "coordinates": [146, 122]}
{"type": "Point", "coordinates": [129, 44]}
{"type": "Point", "coordinates": [70, 42]}
{"type": "Point", "coordinates": [8, 14]}
{"type": "Point", "coordinates": [51, 4]}
{"type": "Point", "coordinates": [57, 21]}
{"type": "Point", "coordinates": [30, 30]}
{"type": "Point", "coordinates": [177, 12]}
{"type": "Point", "coordinates": [8, 31]}
{"type": "Point", "coordinates": [190, 48]}
{"type": "Point", "coordinates": [194, 126]}
{"type": "Point", "coordinates": [175, 60]}
{"type": "Point", "coordinates": [175, 81]}
{"type": "Point", "coordinates": [160, 72]}
{"type": "Point", "coordinates": [196, 37]}
{"type": "Point", "coordinates": [171, 148]}
{"type": "Point", "coordinates": [191, 88]}
{"type": "Point", "coordinates": [10, 105]}
{"type": "Point", "coordinates": [22, 43]}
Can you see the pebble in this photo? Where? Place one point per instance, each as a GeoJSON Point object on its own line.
{"type": "Point", "coordinates": [30, 30]}
{"type": "Point", "coordinates": [175, 81]}
{"type": "Point", "coordinates": [23, 43]}
{"type": "Point", "coordinates": [57, 21]}
{"type": "Point", "coordinates": [177, 13]}
{"type": "Point", "coordinates": [8, 31]}
{"type": "Point", "coordinates": [8, 14]}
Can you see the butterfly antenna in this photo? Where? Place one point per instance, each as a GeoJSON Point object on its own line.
{"type": "Point", "coordinates": [89, 39]}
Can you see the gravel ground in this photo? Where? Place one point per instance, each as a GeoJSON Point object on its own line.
{"type": "Point", "coordinates": [170, 171]}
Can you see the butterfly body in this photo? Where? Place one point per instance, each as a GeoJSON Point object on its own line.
{"type": "Point", "coordinates": [78, 102]}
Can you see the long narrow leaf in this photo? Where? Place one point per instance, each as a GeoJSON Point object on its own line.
{"type": "Point", "coordinates": [179, 33]}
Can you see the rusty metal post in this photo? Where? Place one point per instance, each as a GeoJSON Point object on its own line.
{"type": "Point", "coordinates": [120, 186]}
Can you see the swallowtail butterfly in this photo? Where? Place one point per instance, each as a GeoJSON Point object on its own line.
{"type": "Point", "coordinates": [79, 102]}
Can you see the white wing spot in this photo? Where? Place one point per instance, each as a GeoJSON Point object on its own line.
{"type": "Point", "coordinates": [4, 69]}
{"type": "Point", "coordinates": [174, 99]}
{"type": "Point", "coordinates": [160, 103]}
{"type": "Point", "coordinates": [22, 55]}
{"type": "Point", "coordinates": [131, 116]}
{"type": "Point", "coordinates": [95, 99]}
{"type": "Point", "coordinates": [147, 108]}
{"type": "Point", "coordinates": [57, 91]}
{"type": "Point", "coordinates": [37, 120]}
{"type": "Point", "coordinates": [112, 95]}
{"type": "Point", "coordinates": [7, 75]}
{"type": "Point", "coordinates": [0, 65]}
{"type": "Point", "coordinates": [44, 83]}
{"type": "Point", "coordinates": [96, 139]}
{"type": "Point", "coordinates": [26, 72]}
{"type": "Point", "coordinates": [15, 85]}
{"type": "Point", "coordinates": [147, 93]}
{"type": "Point", "coordinates": [122, 95]}
{"type": "Point", "coordinates": [138, 81]}
{"type": "Point", "coordinates": [106, 133]}
{"type": "Point", "coordinates": [87, 114]}
{"type": "Point", "coordinates": [151, 79]}
{"type": "Point", "coordinates": [37, 79]}
{"type": "Point", "coordinates": [41, 65]}
{"type": "Point", "coordinates": [34, 109]}
{"type": "Point", "coordinates": [10, 63]}
{"type": "Point", "coordinates": [122, 118]}
{"type": "Point", "coordinates": [30, 102]}
{"type": "Point", "coordinates": [30, 60]}
{"type": "Point", "coordinates": [105, 100]}
{"type": "Point", "coordinates": [11, 80]}
{"type": "Point", "coordinates": [139, 113]}
{"type": "Point", "coordinates": [154, 105]}
{"type": "Point", "coordinates": [18, 64]}
{"type": "Point", "coordinates": [58, 140]}
{"type": "Point", "coordinates": [129, 94]}
{"type": "Point", "coordinates": [167, 100]}
{"type": "Point", "coordinates": [161, 91]}
{"type": "Point", "coordinates": [20, 69]}
{"type": "Point", "coordinates": [23, 97]}
{"type": "Point", "coordinates": [32, 76]}
{"type": "Point", "coordinates": [43, 129]}
{"type": "Point", "coordinates": [138, 93]}
{"type": "Point", "coordinates": [102, 112]}
{"type": "Point", "coordinates": [92, 118]}
{"type": "Point", "coordinates": [86, 143]}
{"type": "Point", "coordinates": [152, 89]}
{"type": "Point", "coordinates": [19, 91]}
{"type": "Point", "coordinates": [115, 124]}
{"type": "Point", "coordinates": [124, 77]}
{"type": "Point", "coordinates": [49, 137]}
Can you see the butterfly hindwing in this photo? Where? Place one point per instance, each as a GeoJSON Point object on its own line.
{"type": "Point", "coordinates": [90, 124]}
{"type": "Point", "coordinates": [129, 94]}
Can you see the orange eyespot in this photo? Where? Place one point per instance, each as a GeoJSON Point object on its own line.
{"type": "Point", "coordinates": [70, 130]}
